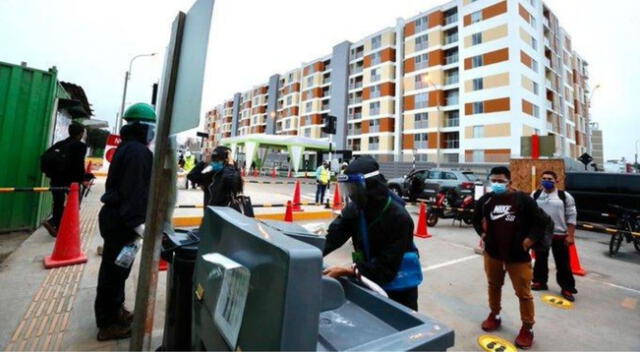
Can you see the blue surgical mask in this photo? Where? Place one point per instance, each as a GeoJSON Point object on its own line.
{"type": "Point", "coordinates": [499, 188]}
{"type": "Point", "coordinates": [216, 166]}
{"type": "Point", "coordinates": [548, 185]}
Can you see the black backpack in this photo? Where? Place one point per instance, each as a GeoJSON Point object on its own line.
{"type": "Point", "coordinates": [561, 195]}
{"type": "Point", "coordinates": [53, 162]}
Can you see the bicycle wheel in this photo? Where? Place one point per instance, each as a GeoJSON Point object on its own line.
{"type": "Point", "coordinates": [636, 243]}
{"type": "Point", "coordinates": [614, 244]}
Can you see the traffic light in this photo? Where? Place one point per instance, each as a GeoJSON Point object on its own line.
{"type": "Point", "coordinates": [329, 124]}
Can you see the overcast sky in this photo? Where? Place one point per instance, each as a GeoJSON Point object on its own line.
{"type": "Point", "coordinates": [91, 43]}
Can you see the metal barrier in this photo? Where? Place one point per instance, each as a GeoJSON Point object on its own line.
{"type": "Point", "coordinates": [264, 205]}
{"type": "Point", "coordinates": [604, 229]}
{"type": "Point", "coordinates": [278, 182]}
{"type": "Point", "coordinates": [32, 189]}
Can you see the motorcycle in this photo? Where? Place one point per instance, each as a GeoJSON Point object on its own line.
{"type": "Point", "coordinates": [451, 205]}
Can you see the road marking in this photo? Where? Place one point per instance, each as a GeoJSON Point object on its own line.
{"type": "Point", "coordinates": [492, 343]}
{"type": "Point", "coordinates": [451, 262]}
{"type": "Point", "coordinates": [630, 303]}
{"type": "Point", "coordinates": [621, 287]}
{"type": "Point", "coordinates": [557, 301]}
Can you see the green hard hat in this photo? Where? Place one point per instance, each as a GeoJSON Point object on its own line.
{"type": "Point", "coordinates": [140, 112]}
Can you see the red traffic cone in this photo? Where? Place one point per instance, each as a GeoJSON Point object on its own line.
{"type": "Point", "coordinates": [67, 248]}
{"type": "Point", "coordinates": [273, 172]}
{"type": "Point", "coordinates": [574, 259]}
{"type": "Point", "coordinates": [421, 230]}
{"type": "Point", "coordinates": [255, 172]}
{"type": "Point", "coordinates": [296, 197]}
{"type": "Point", "coordinates": [288, 215]}
{"type": "Point", "coordinates": [337, 199]}
{"type": "Point", "coordinates": [289, 174]}
{"type": "Point", "coordinates": [89, 166]}
{"type": "Point", "coordinates": [242, 172]}
{"type": "Point", "coordinates": [163, 265]}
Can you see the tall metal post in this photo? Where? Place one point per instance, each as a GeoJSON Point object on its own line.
{"type": "Point", "coordinates": [127, 76]}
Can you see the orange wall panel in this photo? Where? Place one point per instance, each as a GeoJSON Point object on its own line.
{"type": "Point", "coordinates": [409, 65]}
{"type": "Point", "coordinates": [367, 61]}
{"type": "Point", "coordinates": [525, 59]}
{"type": "Point", "coordinates": [436, 19]}
{"type": "Point", "coordinates": [436, 97]}
{"type": "Point", "coordinates": [409, 102]}
{"type": "Point", "coordinates": [436, 57]}
{"type": "Point", "coordinates": [497, 56]}
{"type": "Point", "coordinates": [365, 126]}
{"type": "Point", "coordinates": [387, 89]}
{"type": "Point", "coordinates": [410, 29]}
{"type": "Point", "coordinates": [527, 107]}
{"type": "Point", "coordinates": [388, 54]}
{"type": "Point", "coordinates": [366, 93]}
{"type": "Point", "coordinates": [495, 10]}
{"type": "Point", "coordinates": [468, 63]}
{"type": "Point", "coordinates": [467, 20]}
{"type": "Point", "coordinates": [524, 13]}
{"type": "Point", "coordinates": [432, 140]}
{"type": "Point", "coordinates": [386, 125]}
{"type": "Point", "coordinates": [407, 141]}
{"type": "Point", "coordinates": [497, 105]}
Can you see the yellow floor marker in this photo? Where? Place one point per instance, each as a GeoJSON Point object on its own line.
{"type": "Point", "coordinates": [492, 343]}
{"type": "Point", "coordinates": [557, 301]}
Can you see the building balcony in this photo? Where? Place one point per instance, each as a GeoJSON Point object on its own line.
{"type": "Point", "coordinates": [374, 129]}
{"type": "Point", "coordinates": [451, 19]}
{"type": "Point", "coordinates": [356, 85]}
{"type": "Point", "coordinates": [374, 146]}
{"type": "Point", "coordinates": [451, 59]}
{"type": "Point", "coordinates": [452, 122]}
{"type": "Point", "coordinates": [420, 145]}
{"type": "Point", "coordinates": [452, 80]}
{"type": "Point", "coordinates": [451, 39]}
{"type": "Point", "coordinates": [357, 70]}
{"type": "Point", "coordinates": [374, 112]}
{"type": "Point", "coordinates": [452, 144]}
{"type": "Point", "coordinates": [355, 101]}
{"type": "Point", "coordinates": [354, 116]}
{"type": "Point", "coordinates": [421, 124]}
{"type": "Point", "coordinates": [422, 46]}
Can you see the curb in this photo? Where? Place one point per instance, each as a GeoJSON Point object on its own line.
{"type": "Point", "coordinates": [192, 221]}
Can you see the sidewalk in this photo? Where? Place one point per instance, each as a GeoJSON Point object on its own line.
{"type": "Point", "coordinates": [49, 310]}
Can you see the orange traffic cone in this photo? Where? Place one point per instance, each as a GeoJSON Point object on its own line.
{"type": "Point", "coordinates": [67, 248]}
{"type": "Point", "coordinates": [89, 166]}
{"type": "Point", "coordinates": [255, 172]}
{"type": "Point", "coordinates": [273, 172]}
{"type": "Point", "coordinates": [163, 265]}
{"type": "Point", "coordinates": [337, 199]}
{"type": "Point", "coordinates": [288, 215]}
{"type": "Point", "coordinates": [242, 172]}
{"type": "Point", "coordinates": [421, 230]}
{"type": "Point", "coordinates": [296, 197]}
{"type": "Point", "coordinates": [574, 259]}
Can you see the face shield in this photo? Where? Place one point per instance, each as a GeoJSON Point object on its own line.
{"type": "Point", "coordinates": [146, 129]}
{"type": "Point", "coordinates": [354, 186]}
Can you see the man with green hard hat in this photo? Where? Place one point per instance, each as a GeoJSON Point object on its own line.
{"type": "Point", "coordinates": [122, 218]}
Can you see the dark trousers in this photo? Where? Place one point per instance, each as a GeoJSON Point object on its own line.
{"type": "Point", "coordinates": [111, 277]}
{"type": "Point", "coordinates": [564, 276]}
{"type": "Point", "coordinates": [59, 198]}
{"type": "Point", "coordinates": [408, 298]}
{"type": "Point", "coordinates": [320, 192]}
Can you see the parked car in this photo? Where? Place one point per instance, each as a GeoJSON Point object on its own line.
{"type": "Point", "coordinates": [595, 192]}
{"type": "Point", "coordinates": [441, 180]}
{"type": "Point", "coordinates": [402, 185]}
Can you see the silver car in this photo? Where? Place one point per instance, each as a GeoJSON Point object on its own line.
{"type": "Point", "coordinates": [442, 180]}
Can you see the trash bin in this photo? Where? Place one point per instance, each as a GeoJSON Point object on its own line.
{"type": "Point", "coordinates": [179, 249]}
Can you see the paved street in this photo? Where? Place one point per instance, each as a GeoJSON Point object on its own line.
{"type": "Point", "coordinates": [605, 316]}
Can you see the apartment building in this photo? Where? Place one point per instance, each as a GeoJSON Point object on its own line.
{"type": "Point", "coordinates": [461, 82]}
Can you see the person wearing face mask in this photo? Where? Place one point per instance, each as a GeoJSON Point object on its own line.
{"type": "Point", "coordinates": [122, 217]}
{"type": "Point", "coordinates": [507, 220]}
{"type": "Point", "coordinates": [561, 207]}
{"type": "Point", "coordinates": [381, 230]}
{"type": "Point", "coordinates": [226, 181]}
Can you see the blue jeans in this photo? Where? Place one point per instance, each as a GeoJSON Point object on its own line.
{"type": "Point", "coordinates": [320, 192]}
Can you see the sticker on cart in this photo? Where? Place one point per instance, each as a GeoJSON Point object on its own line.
{"type": "Point", "coordinates": [491, 343]}
{"type": "Point", "coordinates": [557, 301]}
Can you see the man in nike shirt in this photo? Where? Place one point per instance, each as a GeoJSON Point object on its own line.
{"type": "Point", "coordinates": [506, 221]}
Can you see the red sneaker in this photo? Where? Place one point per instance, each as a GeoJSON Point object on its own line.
{"type": "Point", "coordinates": [525, 338]}
{"type": "Point", "coordinates": [492, 322]}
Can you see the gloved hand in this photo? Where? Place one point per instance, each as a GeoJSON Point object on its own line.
{"type": "Point", "coordinates": [139, 230]}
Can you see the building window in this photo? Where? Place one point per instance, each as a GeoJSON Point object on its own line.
{"type": "Point", "coordinates": [536, 111]}
{"type": "Point", "coordinates": [536, 88]}
{"type": "Point", "coordinates": [289, 100]}
{"type": "Point", "coordinates": [374, 92]}
{"type": "Point", "coordinates": [478, 84]}
{"type": "Point", "coordinates": [476, 17]}
{"type": "Point", "coordinates": [478, 131]}
{"type": "Point", "coordinates": [374, 108]}
{"type": "Point", "coordinates": [478, 108]}
{"type": "Point", "coordinates": [421, 120]}
{"type": "Point", "coordinates": [308, 106]}
{"type": "Point", "coordinates": [534, 65]}
{"type": "Point", "coordinates": [478, 156]}
{"type": "Point", "coordinates": [422, 61]}
{"type": "Point", "coordinates": [422, 42]}
{"type": "Point", "coordinates": [476, 39]}
{"type": "Point", "coordinates": [310, 81]}
{"type": "Point", "coordinates": [375, 74]}
{"type": "Point", "coordinates": [376, 58]}
{"type": "Point", "coordinates": [477, 61]}
{"type": "Point", "coordinates": [376, 42]}
{"type": "Point", "coordinates": [421, 24]}
{"type": "Point", "coordinates": [534, 43]}
{"type": "Point", "coordinates": [422, 100]}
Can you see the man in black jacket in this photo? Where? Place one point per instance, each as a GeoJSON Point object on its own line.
{"type": "Point", "coordinates": [226, 181]}
{"type": "Point", "coordinates": [74, 172]}
{"type": "Point", "coordinates": [122, 218]}
{"type": "Point", "coordinates": [507, 222]}
{"type": "Point", "coordinates": [390, 232]}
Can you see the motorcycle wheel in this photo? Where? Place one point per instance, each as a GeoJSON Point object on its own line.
{"type": "Point", "coordinates": [432, 219]}
{"type": "Point", "coordinates": [614, 244]}
{"type": "Point", "coordinates": [467, 219]}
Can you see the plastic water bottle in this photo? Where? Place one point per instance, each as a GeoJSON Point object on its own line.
{"type": "Point", "coordinates": [128, 254]}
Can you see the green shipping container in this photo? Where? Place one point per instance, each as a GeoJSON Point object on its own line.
{"type": "Point", "coordinates": [27, 104]}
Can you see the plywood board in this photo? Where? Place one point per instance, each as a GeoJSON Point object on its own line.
{"type": "Point", "coordinates": [522, 171]}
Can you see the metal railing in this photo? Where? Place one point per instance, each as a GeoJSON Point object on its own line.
{"type": "Point", "coordinates": [421, 124]}
{"type": "Point", "coordinates": [452, 122]}
{"type": "Point", "coordinates": [452, 144]}
{"type": "Point", "coordinates": [450, 19]}
{"type": "Point", "coordinates": [451, 59]}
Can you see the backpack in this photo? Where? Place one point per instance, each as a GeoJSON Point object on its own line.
{"type": "Point", "coordinates": [53, 162]}
{"type": "Point", "coordinates": [561, 195]}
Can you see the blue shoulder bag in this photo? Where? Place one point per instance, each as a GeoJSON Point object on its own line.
{"type": "Point", "coordinates": [410, 272]}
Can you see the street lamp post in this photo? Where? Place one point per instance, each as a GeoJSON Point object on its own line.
{"type": "Point", "coordinates": [588, 127]}
{"type": "Point", "coordinates": [127, 76]}
{"type": "Point", "coordinates": [439, 109]}
{"type": "Point", "coordinates": [636, 161]}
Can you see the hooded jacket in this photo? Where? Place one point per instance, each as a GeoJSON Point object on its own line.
{"type": "Point", "coordinates": [225, 184]}
{"type": "Point", "coordinates": [129, 178]}
{"type": "Point", "coordinates": [390, 232]}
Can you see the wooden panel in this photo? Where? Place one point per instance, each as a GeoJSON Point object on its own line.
{"type": "Point", "coordinates": [497, 156]}
{"type": "Point", "coordinates": [365, 126]}
{"type": "Point", "coordinates": [295, 87]}
{"type": "Point", "coordinates": [409, 65]}
{"type": "Point", "coordinates": [468, 109]}
{"type": "Point", "coordinates": [525, 59]}
{"type": "Point", "coordinates": [527, 107]}
{"type": "Point", "coordinates": [316, 92]}
{"type": "Point", "coordinates": [436, 97]}
{"type": "Point", "coordinates": [497, 56]}
{"type": "Point", "coordinates": [495, 10]}
{"type": "Point", "coordinates": [387, 125]}
{"type": "Point", "coordinates": [436, 19]}
{"type": "Point", "coordinates": [468, 64]}
{"type": "Point", "coordinates": [497, 105]}
{"type": "Point", "coordinates": [524, 13]}
{"type": "Point", "coordinates": [316, 119]}
{"type": "Point", "coordinates": [436, 57]}
{"type": "Point", "coordinates": [388, 54]}
{"type": "Point", "coordinates": [407, 141]}
{"type": "Point", "coordinates": [366, 93]}
{"type": "Point", "coordinates": [468, 156]}
{"type": "Point", "coordinates": [432, 142]}
{"type": "Point", "coordinates": [367, 61]}
{"type": "Point", "coordinates": [409, 102]}
{"type": "Point", "coordinates": [388, 89]}
{"type": "Point", "coordinates": [318, 66]}
{"type": "Point", "coordinates": [467, 20]}
{"type": "Point", "coordinates": [521, 174]}
{"type": "Point", "coordinates": [410, 29]}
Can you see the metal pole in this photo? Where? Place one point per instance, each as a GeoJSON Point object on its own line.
{"type": "Point", "coordinates": [636, 163]}
{"type": "Point", "coordinates": [127, 76]}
